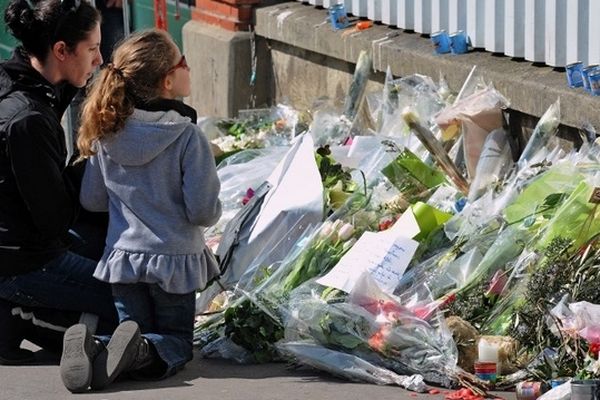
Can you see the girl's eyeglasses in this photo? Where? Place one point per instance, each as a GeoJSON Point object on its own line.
{"type": "Point", "coordinates": [181, 64]}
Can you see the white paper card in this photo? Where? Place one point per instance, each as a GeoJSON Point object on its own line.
{"type": "Point", "coordinates": [384, 256]}
{"type": "Point", "coordinates": [405, 226]}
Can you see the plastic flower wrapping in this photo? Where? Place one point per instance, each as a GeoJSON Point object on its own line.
{"type": "Point", "coordinates": [501, 241]}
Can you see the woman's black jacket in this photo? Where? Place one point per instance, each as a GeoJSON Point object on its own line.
{"type": "Point", "coordinates": [38, 193]}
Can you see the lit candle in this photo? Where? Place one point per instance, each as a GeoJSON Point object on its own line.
{"type": "Point", "coordinates": [488, 351]}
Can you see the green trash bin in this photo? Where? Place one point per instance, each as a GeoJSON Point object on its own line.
{"type": "Point", "coordinates": [143, 17]}
{"type": "Point", "coordinates": [7, 42]}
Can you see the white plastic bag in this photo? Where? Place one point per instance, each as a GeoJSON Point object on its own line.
{"type": "Point", "coordinates": [295, 196]}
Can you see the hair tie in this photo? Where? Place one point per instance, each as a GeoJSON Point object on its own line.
{"type": "Point", "coordinates": [118, 71]}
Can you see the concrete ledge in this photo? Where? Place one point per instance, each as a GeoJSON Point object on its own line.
{"type": "Point", "coordinates": [531, 89]}
{"type": "Point", "coordinates": [222, 69]}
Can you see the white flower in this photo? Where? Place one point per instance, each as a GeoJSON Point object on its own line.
{"type": "Point", "coordinates": [346, 231]}
{"type": "Point", "coordinates": [594, 367]}
{"type": "Point", "coordinates": [326, 229]}
{"type": "Point", "coordinates": [337, 224]}
{"type": "Point", "coordinates": [348, 244]}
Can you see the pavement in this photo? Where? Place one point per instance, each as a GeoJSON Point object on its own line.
{"type": "Point", "coordinates": [203, 379]}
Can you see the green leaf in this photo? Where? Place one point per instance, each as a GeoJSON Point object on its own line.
{"type": "Point", "coordinates": [554, 199]}
{"type": "Point", "coordinates": [408, 169]}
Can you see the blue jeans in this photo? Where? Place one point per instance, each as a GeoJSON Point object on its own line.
{"type": "Point", "coordinates": [65, 283]}
{"type": "Point", "coordinates": [165, 319]}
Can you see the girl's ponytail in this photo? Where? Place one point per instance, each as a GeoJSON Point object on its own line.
{"type": "Point", "coordinates": [140, 65]}
{"type": "Point", "coordinates": [105, 109]}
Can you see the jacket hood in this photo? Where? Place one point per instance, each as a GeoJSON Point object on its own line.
{"type": "Point", "coordinates": [18, 74]}
{"type": "Point", "coordinates": [146, 134]}
{"type": "Point", "coordinates": [6, 83]}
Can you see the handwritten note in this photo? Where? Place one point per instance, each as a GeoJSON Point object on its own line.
{"type": "Point", "coordinates": [383, 255]}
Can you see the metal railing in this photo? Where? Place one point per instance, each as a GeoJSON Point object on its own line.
{"type": "Point", "coordinates": [554, 32]}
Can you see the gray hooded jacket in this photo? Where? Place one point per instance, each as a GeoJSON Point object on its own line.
{"type": "Point", "coordinates": [158, 180]}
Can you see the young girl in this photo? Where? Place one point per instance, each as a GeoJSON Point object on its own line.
{"type": "Point", "coordinates": [152, 168]}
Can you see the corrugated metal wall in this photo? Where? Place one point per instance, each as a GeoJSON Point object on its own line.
{"type": "Point", "coordinates": [554, 32]}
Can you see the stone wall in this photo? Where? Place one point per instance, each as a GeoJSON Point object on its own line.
{"type": "Point", "coordinates": [301, 59]}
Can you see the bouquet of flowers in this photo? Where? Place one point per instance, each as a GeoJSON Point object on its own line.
{"type": "Point", "coordinates": [373, 326]}
{"type": "Point", "coordinates": [253, 322]}
{"type": "Point", "coordinates": [258, 128]}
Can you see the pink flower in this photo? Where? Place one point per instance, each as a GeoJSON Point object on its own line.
{"type": "Point", "coordinates": [248, 196]}
{"type": "Point", "coordinates": [385, 224]}
{"type": "Point", "coordinates": [377, 341]}
{"type": "Point", "coordinates": [391, 307]}
{"type": "Point", "coordinates": [387, 310]}
{"type": "Point", "coordinates": [369, 304]}
{"type": "Point", "coordinates": [422, 312]}
{"type": "Point", "coordinates": [497, 283]}
{"type": "Point", "coordinates": [591, 334]}
{"type": "Point", "coordinates": [594, 348]}
{"type": "Point", "coordinates": [446, 301]}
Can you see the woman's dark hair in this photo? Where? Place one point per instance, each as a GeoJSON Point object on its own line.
{"type": "Point", "coordinates": [39, 24]}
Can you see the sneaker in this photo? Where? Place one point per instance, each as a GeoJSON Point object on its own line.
{"type": "Point", "coordinates": [122, 352]}
{"type": "Point", "coordinates": [12, 330]}
{"type": "Point", "coordinates": [17, 356]}
{"type": "Point", "coordinates": [100, 377]}
{"type": "Point", "coordinates": [79, 351]}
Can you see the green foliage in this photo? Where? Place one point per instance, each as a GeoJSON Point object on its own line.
{"type": "Point", "coordinates": [545, 284]}
{"type": "Point", "coordinates": [408, 173]}
{"type": "Point", "coordinates": [331, 171]}
{"type": "Point", "coordinates": [318, 258]}
{"type": "Point", "coordinates": [237, 128]}
{"type": "Point", "coordinates": [563, 271]}
{"type": "Point", "coordinates": [248, 326]}
{"type": "Point", "coordinates": [251, 327]}
{"type": "Point", "coordinates": [472, 305]}
{"type": "Point", "coordinates": [343, 332]}
{"type": "Point", "coordinates": [538, 197]}
{"type": "Point", "coordinates": [337, 181]}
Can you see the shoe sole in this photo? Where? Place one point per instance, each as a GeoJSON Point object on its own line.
{"type": "Point", "coordinates": [122, 349]}
{"type": "Point", "coordinates": [75, 363]}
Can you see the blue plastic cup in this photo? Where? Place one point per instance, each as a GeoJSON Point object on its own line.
{"type": "Point", "coordinates": [338, 16]}
{"type": "Point", "coordinates": [594, 78]}
{"type": "Point", "coordinates": [585, 76]}
{"type": "Point", "coordinates": [459, 43]}
{"type": "Point", "coordinates": [441, 42]}
{"type": "Point", "coordinates": [574, 74]}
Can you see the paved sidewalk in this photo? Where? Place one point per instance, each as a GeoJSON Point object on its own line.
{"type": "Point", "coordinates": [203, 380]}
